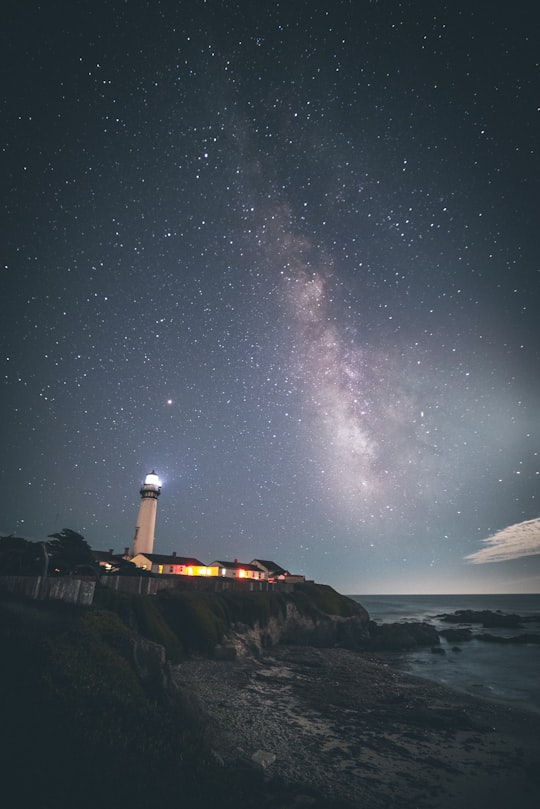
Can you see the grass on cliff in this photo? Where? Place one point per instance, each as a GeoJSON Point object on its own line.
{"type": "Point", "coordinates": [187, 622]}
{"type": "Point", "coordinates": [141, 614]}
{"type": "Point", "coordinates": [88, 710]}
{"type": "Point", "coordinates": [200, 620]}
{"type": "Point", "coordinates": [322, 598]}
{"type": "Point", "coordinates": [90, 719]}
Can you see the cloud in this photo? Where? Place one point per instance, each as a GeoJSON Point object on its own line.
{"type": "Point", "coordinates": [513, 542]}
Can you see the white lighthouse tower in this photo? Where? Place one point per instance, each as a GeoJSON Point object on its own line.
{"type": "Point", "coordinates": [143, 541]}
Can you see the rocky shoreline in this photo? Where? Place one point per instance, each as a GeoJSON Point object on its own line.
{"type": "Point", "coordinates": [465, 627]}
{"type": "Point", "coordinates": [350, 727]}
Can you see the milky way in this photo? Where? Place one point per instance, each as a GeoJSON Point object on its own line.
{"type": "Point", "coordinates": [286, 255]}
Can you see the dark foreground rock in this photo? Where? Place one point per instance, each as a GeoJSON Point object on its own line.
{"type": "Point", "coordinates": [401, 636]}
{"type": "Point", "coordinates": [527, 638]}
{"type": "Point", "coordinates": [457, 635]}
{"type": "Point", "coordinates": [355, 730]}
{"type": "Point", "coordinates": [235, 625]}
{"type": "Point", "coordinates": [487, 618]}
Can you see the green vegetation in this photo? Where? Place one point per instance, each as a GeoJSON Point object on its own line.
{"type": "Point", "coordinates": [91, 719]}
{"type": "Point", "coordinates": [142, 615]}
{"type": "Point", "coordinates": [313, 598]}
{"type": "Point", "coordinates": [65, 553]}
{"type": "Point", "coordinates": [85, 713]}
{"type": "Point", "coordinates": [188, 623]}
{"type": "Point", "coordinates": [70, 553]}
{"type": "Point", "coordinates": [200, 619]}
{"type": "Point", "coordinates": [20, 557]}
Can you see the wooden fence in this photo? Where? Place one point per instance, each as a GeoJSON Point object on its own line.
{"type": "Point", "coordinates": [80, 590]}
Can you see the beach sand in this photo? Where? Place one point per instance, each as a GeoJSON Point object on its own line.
{"type": "Point", "coordinates": [353, 727]}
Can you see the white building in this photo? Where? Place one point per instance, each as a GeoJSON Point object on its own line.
{"type": "Point", "coordinates": [143, 540]}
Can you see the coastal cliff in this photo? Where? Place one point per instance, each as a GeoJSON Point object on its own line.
{"type": "Point", "coordinates": [313, 615]}
{"type": "Point", "coordinates": [238, 624]}
{"type": "Point", "coordinates": [242, 700]}
{"type": "Point", "coordinates": [102, 682]}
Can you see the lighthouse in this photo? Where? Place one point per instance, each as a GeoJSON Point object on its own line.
{"type": "Point", "coordinates": [143, 541]}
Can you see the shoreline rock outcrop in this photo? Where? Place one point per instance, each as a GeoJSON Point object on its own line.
{"type": "Point", "coordinates": [299, 625]}
{"type": "Point", "coordinates": [488, 618]}
{"type": "Point", "coordinates": [469, 621]}
{"type": "Point", "coordinates": [303, 623]}
{"type": "Point", "coordinates": [401, 636]}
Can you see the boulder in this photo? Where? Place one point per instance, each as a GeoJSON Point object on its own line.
{"type": "Point", "coordinates": [263, 759]}
{"type": "Point", "coordinates": [487, 618]}
{"type": "Point", "coordinates": [456, 635]}
{"type": "Point", "coordinates": [526, 638]}
{"type": "Point", "coordinates": [224, 652]}
{"type": "Point", "coordinates": [401, 636]}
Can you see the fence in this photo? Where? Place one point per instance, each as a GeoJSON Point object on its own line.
{"type": "Point", "coordinates": [81, 590]}
{"type": "Point", "coordinates": [61, 588]}
{"type": "Point", "coordinates": [211, 584]}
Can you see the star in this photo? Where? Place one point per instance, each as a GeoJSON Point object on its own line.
{"type": "Point", "coordinates": [225, 223]}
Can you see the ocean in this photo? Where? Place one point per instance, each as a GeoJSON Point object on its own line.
{"type": "Point", "coordinates": [508, 673]}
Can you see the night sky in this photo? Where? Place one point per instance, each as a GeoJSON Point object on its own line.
{"type": "Point", "coordinates": [286, 254]}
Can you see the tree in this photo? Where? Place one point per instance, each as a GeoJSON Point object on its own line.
{"type": "Point", "coordinates": [123, 567]}
{"type": "Point", "coordinates": [70, 553]}
{"type": "Point", "coordinates": [20, 557]}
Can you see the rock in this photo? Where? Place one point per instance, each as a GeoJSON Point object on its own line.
{"type": "Point", "coordinates": [217, 757]}
{"type": "Point", "coordinates": [304, 801]}
{"type": "Point", "coordinates": [456, 635]}
{"type": "Point", "coordinates": [438, 650]}
{"type": "Point", "coordinates": [487, 618]}
{"type": "Point", "coordinates": [307, 626]}
{"type": "Point", "coordinates": [456, 649]}
{"type": "Point", "coordinates": [358, 712]}
{"type": "Point", "coordinates": [527, 639]}
{"type": "Point", "coordinates": [498, 619]}
{"type": "Point", "coordinates": [149, 660]}
{"type": "Point", "coordinates": [398, 636]}
{"type": "Point", "coordinates": [263, 759]}
{"type": "Point", "coordinates": [223, 652]}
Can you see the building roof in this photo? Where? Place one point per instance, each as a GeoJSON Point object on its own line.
{"type": "Point", "coordinates": [234, 565]}
{"type": "Point", "coordinates": [162, 559]}
{"type": "Point", "coordinates": [270, 567]}
{"type": "Point", "coordinates": [105, 555]}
